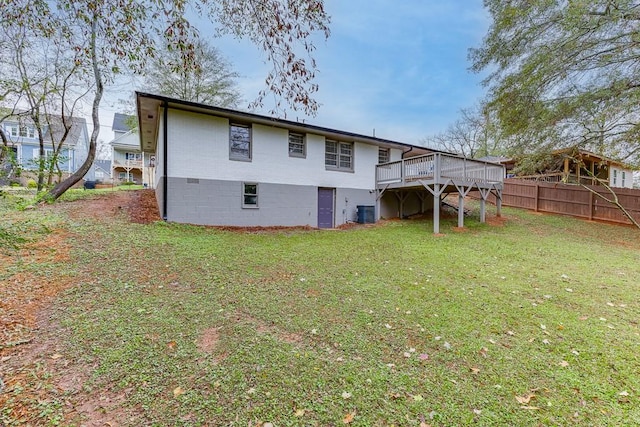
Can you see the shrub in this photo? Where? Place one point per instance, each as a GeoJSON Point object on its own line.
{"type": "Point", "coordinates": [32, 183]}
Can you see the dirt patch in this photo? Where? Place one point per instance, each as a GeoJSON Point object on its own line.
{"type": "Point", "coordinates": [208, 340]}
{"type": "Point", "coordinates": [33, 370]}
{"type": "Point", "coordinates": [142, 207]}
{"type": "Point", "coordinates": [263, 328]}
{"type": "Point", "coordinates": [497, 221]}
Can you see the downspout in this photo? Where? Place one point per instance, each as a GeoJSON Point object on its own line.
{"type": "Point", "coordinates": [165, 162]}
{"type": "Point", "coordinates": [405, 152]}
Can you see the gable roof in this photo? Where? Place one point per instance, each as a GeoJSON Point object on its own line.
{"type": "Point", "coordinates": [150, 106]}
{"type": "Point", "coordinates": [78, 129]}
{"type": "Point", "coordinates": [54, 128]}
{"type": "Point", "coordinates": [103, 164]}
{"type": "Point", "coordinates": [120, 122]}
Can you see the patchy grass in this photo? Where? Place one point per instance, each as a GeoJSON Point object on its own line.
{"type": "Point", "coordinates": [534, 322]}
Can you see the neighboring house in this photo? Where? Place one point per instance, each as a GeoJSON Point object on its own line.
{"type": "Point", "coordinates": [25, 144]}
{"type": "Point", "coordinates": [217, 166]}
{"type": "Point", "coordinates": [579, 166]}
{"type": "Point", "coordinates": [128, 162]}
{"type": "Point", "coordinates": [102, 170]}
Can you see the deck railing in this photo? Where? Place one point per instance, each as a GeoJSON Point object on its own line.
{"type": "Point", "coordinates": [128, 163]}
{"type": "Point", "coordinates": [571, 178]}
{"type": "Point", "coordinates": [439, 168]}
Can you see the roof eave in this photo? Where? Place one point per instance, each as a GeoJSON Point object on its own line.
{"type": "Point", "coordinates": [149, 106]}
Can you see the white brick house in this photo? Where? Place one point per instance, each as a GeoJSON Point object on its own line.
{"type": "Point", "coordinates": [216, 166]}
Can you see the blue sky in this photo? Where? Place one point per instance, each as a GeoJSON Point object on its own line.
{"type": "Point", "coordinates": [399, 67]}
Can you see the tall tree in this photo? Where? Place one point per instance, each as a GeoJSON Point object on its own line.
{"type": "Point", "coordinates": [474, 134]}
{"type": "Point", "coordinates": [43, 93]}
{"type": "Point", "coordinates": [211, 81]}
{"type": "Point", "coordinates": [105, 37]}
{"type": "Point", "coordinates": [565, 73]}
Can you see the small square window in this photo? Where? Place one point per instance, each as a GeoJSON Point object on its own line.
{"type": "Point", "coordinates": [249, 195]}
{"type": "Point", "coordinates": [297, 145]}
{"type": "Point", "coordinates": [239, 142]}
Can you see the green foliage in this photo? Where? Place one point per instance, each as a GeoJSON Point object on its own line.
{"type": "Point", "coordinates": [211, 81]}
{"type": "Point", "coordinates": [565, 74]}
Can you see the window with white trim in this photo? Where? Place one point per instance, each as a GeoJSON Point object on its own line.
{"type": "Point", "coordinates": [133, 156]}
{"type": "Point", "coordinates": [624, 177]}
{"type": "Point", "coordinates": [615, 177]}
{"type": "Point", "coordinates": [48, 153]}
{"type": "Point", "coordinates": [27, 131]}
{"type": "Point", "coordinates": [383, 155]}
{"type": "Point", "coordinates": [338, 155]}
{"type": "Point", "coordinates": [12, 129]}
{"type": "Point", "coordinates": [249, 195]}
{"type": "Point", "coordinates": [297, 145]}
{"type": "Point", "coordinates": [239, 142]}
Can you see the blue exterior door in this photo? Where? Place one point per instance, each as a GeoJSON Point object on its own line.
{"type": "Point", "coordinates": [325, 207]}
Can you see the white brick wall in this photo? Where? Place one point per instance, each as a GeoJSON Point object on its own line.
{"type": "Point", "coordinates": [199, 148]}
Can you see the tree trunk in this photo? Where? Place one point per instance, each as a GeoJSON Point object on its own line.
{"type": "Point", "coordinates": [60, 188]}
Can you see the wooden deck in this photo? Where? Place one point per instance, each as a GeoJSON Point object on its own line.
{"type": "Point", "coordinates": [441, 174]}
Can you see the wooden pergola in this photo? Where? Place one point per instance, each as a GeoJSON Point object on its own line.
{"type": "Point", "coordinates": [442, 174]}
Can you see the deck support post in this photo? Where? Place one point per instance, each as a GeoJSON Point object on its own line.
{"type": "Point", "coordinates": [436, 208]}
{"type": "Point", "coordinates": [460, 210]}
{"type": "Point", "coordinates": [499, 203]}
{"type": "Point", "coordinates": [483, 210]}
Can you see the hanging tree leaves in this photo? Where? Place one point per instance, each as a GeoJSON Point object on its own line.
{"type": "Point", "coordinates": [565, 73]}
{"type": "Point", "coordinates": [104, 38]}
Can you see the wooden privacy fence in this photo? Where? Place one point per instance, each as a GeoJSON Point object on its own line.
{"type": "Point", "coordinates": [570, 199]}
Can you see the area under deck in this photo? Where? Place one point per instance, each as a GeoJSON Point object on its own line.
{"type": "Point", "coordinates": [442, 174]}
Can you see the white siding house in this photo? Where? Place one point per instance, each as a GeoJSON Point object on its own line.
{"type": "Point", "coordinates": [215, 166]}
{"type": "Point", "coordinates": [224, 167]}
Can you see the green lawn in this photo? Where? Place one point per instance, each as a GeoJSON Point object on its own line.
{"type": "Point", "coordinates": [530, 323]}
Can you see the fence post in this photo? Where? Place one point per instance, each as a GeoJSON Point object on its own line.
{"type": "Point", "coordinates": [537, 197]}
{"type": "Point", "coordinates": [591, 207]}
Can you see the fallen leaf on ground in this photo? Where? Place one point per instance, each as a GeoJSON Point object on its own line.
{"type": "Point", "coordinates": [299, 413]}
{"type": "Point", "coordinates": [564, 363]}
{"type": "Point", "coordinates": [418, 398]}
{"type": "Point", "coordinates": [348, 418]}
{"type": "Point", "coordinates": [178, 391]}
{"type": "Point", "coordinates": [346, 395]}
{"type": "Point", "coordinates": [475, 371]}
{"type": "Point", "coordinates": [523, 400]}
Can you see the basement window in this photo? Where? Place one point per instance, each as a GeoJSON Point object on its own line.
{"type": "Point", "coordinates": [250, 195]}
